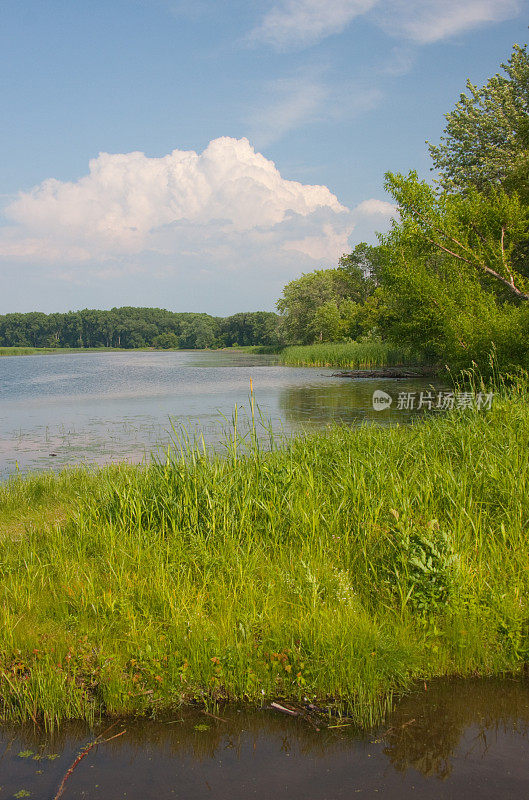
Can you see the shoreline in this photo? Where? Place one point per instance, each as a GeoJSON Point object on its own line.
{"type": "Point", "coordinates": [390, 372]}
{"type": "Point", "coordinates": [342, 567]}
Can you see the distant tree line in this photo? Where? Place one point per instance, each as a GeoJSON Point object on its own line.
{"type": "Point", "coordinates": [138, 327]}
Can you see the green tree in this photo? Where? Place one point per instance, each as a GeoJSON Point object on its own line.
{"type": "Point", "coordinates": [165, 341]}
{"type": "Point", "coordinates": [364, 266]}
{"type": "Point", "coordinates": [481, 231]}
{"type": "Point", "coordinates": [327, 324]}
{"type": "Point", "coordinates": [486, 139]}
{"type": "Point", "coordinates": [302, 298]}
{"type": "Point", "coordinates": [450, 287]}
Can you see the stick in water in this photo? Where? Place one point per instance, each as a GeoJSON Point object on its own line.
{"type": "Point", "coordinates": [84, 752]}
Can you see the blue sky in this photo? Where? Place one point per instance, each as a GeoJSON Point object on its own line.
{"type": "Point", "coordinates": [243, 143]}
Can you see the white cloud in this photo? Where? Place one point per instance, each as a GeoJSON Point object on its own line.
{"type": "Point", "coordinates": [287, 104]}
{"type": "Point", "coordinates": [303, 22]}
{"type": "Point", "coordinates": [376, 207]}
{"type": "Point", "coordinates": [299, 23]}
{"type": "Point", "coordinates": [305, 98]}
{"type": "Point", "coordinates": [428, 21]}
{"type": "Point", "coordinates": [226, 210]}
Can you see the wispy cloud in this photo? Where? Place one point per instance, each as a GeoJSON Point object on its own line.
{"type": "Point", "coordinates": [398, 62]}
{"type": "Point", "coordinates": [287, 104]}
{"type": "Point", "coordinates": [300, 23]}
{"type": "Point", "coordinates": [303, 22]}
{"type": "Point", "coordinates": [429, 21]}
{"type": "Point", "coordinates": [307, 97]}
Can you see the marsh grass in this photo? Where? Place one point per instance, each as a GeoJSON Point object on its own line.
{"type": "Point", "coordinates": [25, 351]}
{"type": "Point", "coordinates": [346, 355]}
{"type": "Point", "coordinates": [46, 351]}
{"type": "Point", "coordinates": [338, 567]}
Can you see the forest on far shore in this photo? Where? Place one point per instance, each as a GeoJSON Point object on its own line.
{"type": "Point", "coordinates": [131, 328]}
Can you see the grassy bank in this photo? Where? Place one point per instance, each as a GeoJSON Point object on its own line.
{"type": "Point", "coordinates": [36, 351]}
{"type": "Point", "coordinates": [45, 351]}
{"type": "Point", "coordinates": [27, 351]}
{"type": "Point", "coordinates": [339, 568]}
{"type": "Point", "coordinates": [346, 355]}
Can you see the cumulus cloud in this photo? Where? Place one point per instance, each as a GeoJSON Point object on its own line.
{"type": "Point", "coordinates": [129, 202]}
{"type": "Point", "coordinates": [299, 23]}
{"type": "Point", "coordinates": [225, 215]}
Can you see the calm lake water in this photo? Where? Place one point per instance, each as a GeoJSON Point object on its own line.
{"type": "Point", "coordinates": [96, 408]}
{"type": "Point", "coordinates": [457, 740]}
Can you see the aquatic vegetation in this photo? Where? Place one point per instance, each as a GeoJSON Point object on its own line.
{"type": "Point", "coordinates": [338, 567]}
{"type": "Point", "coordinates": [346, 355]}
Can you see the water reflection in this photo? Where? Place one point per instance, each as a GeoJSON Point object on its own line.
{"type": "Point", "coordinates": [431, 725]}
{"type": "Point", "coordinates": [351, 401]}
{"type": "Point", "coordinates": [469, 736]}
{"type": "Point", "coordinates": [98, 408]}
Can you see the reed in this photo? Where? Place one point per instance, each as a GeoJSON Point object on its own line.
{"type": "Point", "coordinates": [339, 566]}
{"type": "Point", "coordinates": [346, 355]}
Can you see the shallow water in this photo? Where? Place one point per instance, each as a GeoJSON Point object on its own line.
{"type": "Point", "coordinates": [96, 408]}
{"type": "Point", "coordinates": [454, 739]}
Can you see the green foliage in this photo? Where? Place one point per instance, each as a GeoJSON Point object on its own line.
{"type": "Point", "coordinates": [450, 287]}
{"type": "Point", "coordinates": [251, 328]}
{"type": "Point", "coordinates": [137, 327]}
{"type": "Point", "coordinates": [481, 230]}
{"type": "Point", "coordinates": [326, 305]}
{"type": "Point", "coordinates": [421, 567]}
{"type": "Point", "coordinates": [346, 355]}
{"type": "Point", "coordinates": [364, 263]}
{"type": "Point", "coordinates": [486, 140]}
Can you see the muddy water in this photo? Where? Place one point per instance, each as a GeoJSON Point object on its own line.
{"type": "Point", "coordinates": [454, 739]}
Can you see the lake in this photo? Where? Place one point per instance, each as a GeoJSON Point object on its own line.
{"type": "Point", "coordinates": [96, 408]}
{"type": "Point", "coordinates": [448, 739]}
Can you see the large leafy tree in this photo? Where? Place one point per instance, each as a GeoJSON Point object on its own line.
{"type": "Point", "coordinates": [451, 287]}
{"type": "Point", "coordinates": [364, 265]}
{"type": "Point", "coordinates": [456, 272]}
{"type": "Point", "coordinates": [479, 231]}
{"type": "Point", "coordinates": [317, 306]}
{"type": "Point", "coordinates": [486, 139]}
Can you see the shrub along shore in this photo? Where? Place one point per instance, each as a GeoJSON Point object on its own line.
{"type": "Point", "coordinates": [338, 567]}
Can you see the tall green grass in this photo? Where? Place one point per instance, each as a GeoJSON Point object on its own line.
{"type": "Point", "coordinates": [40, 351]}
{"type": "Point", "coordinates": [346, 355]}
{"type": "Point", "coordinates": [25, 351]}
{"type": "Point", "coordinates": [338, 567]}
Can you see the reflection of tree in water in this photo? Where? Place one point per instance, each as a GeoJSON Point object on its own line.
{"type": "Point", "coordinates": [187, 733]}
{"type": "Point", "coordinates": [423, 732]}
{"type": "Point", "coordinates": [426, 728]}
{"type": "Point", "coordinates": [350, 401]}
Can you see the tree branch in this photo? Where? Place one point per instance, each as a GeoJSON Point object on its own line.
{"type": "Point", "coordinates": [475, 263]}
{"type": "Point", "coordinates": [510, 286]}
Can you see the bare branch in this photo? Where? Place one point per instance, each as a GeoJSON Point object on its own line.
{"type": "Point", "coordinates": [474, 262]}
{"type": "Point", "coordinates": [510, 286]}
{"type": "Point", "coordinates": [504, 261]}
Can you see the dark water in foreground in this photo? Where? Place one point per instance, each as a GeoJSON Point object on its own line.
{"type": "Point", "coordinates": [456, 739]}
{"type": "Point", "coordinates": [96, 408]}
